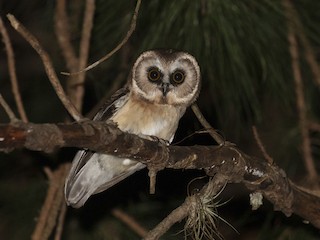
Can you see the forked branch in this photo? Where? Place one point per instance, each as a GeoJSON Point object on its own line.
{"type": "Point", "coordinates": [47, 65]}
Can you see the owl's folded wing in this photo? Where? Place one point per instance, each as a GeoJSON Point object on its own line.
{"type": "Point", "coordinates": [92, 172]}
{"type": "Point", "coordinates": [99, 173]}
{"type": "Point", "coordinates": [117, 100]}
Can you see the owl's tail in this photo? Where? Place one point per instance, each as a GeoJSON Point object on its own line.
{"type": "Point", "coordinates": [99, 173]}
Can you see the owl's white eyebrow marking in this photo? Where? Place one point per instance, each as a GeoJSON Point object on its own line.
{"type": "Point", "coordinates": [152, 62]}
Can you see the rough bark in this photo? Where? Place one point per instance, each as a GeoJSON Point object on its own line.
{"type": "Point", "coordinates": [229, 160]}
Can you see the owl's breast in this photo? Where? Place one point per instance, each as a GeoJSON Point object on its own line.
{"type": "Point", "coordinates": [140, 117]}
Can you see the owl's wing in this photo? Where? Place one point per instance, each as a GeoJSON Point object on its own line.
{"type": "Point", "coordinates": [88, 173]}
{"type": "Point", "coordinates": [101, 172]}
{"type": "Point", "coordinates": [117, 100]}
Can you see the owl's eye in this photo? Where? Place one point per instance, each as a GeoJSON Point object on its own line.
{"type": "Point", "coordinates": [177, 77]}
{"type": "Point", "coordinates": [154, 74]}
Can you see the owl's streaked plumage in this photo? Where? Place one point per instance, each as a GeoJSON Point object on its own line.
{"type": "Point", "coordinates": [162, 84]}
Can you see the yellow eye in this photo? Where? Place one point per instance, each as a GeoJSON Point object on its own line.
{"type": "Point", "coordinates": [177, 77]}
{"type": "Point", "coordinates": [154, 74]}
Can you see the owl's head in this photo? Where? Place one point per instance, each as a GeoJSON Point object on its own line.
{"type": "Point", "coordinates": [166, 77]}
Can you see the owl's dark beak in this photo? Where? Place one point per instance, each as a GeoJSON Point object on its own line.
{"type": "Point", "coordinates": [164, 88]}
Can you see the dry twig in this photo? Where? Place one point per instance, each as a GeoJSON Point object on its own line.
{"type": "Point", "coordinates": [309, 53]}
{"type": "Point", "coordinates": [175, 216]}
{"type": "Point", "coordinates": [261, 146]}
{"type": "Point", "coordinates": [118, 47]}
{"type": "Point", "coordinates": [124, 54]}
{"type": "Point", "coordinates": [130, 221]}
{"type": "Point", "coordinates": [47, 65]}
{"type": "Point", "coordinates": [8, 110]}
{"type": "Point", "coordinates": [75, 84]}
{"type": "Point", "coordinates": [193, 206]}
{"type": "Point", "coordinates": [12, 72]}
{"type": "Point", "coordinates": [301, 105]}
{"type": "Point", "coordinates": [62, 215]}
{"type": "Point", "coordinates": [216, 136]}
{"type": "Point", "coordinates": [48, 215]}
{"type": "Point", "coordinates": [62, 28]}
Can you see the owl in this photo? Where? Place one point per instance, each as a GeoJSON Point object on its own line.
{"type": "Point", "coordinates": [161, 85]}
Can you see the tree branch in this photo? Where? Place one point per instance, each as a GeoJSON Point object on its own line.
{"type": "Point", "coordinates": [129, 221]}
{"type": "Point", "coordinates": [62, 29]}
{"type": "Point", "coordinates": [301, 105]}
{"type": "Point", "coordinates": [7, 109]}
{"type": "Point", "coordinates": [213, 133]}
{"type": "Point", "coordinates": [48, 215]}
{"type": "Point", "coordinates": [75, 84]}
{"type": "Point", "coordinates": [309, 52]}
{"type": "Point", "coordinates": [228, 160]}
{"type": "Point", "coordinates": [175, 216]}
{"type": "Point", "coordinates": [12, 72]}
{"type": "Point", "coordinates": [47, 65]}
{"type": "Point", "coordinates": [119, 46]}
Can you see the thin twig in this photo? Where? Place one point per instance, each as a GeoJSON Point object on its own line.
{"type": "Point", "coordinates": [117, 82]}
{"type": "Point", "coordinates": [261, 146]}
{"type": "Point", "coordinates": [45, 211]}
{"type": "Point", "coordinates": [12, 72]}
{"type": "Point", "coordinates": [50, 208]}
{"type": "Point", "coordinates": [86, 34]}
{"type": "Point", "coordinates": [310, 57]}
{"type": "Point", "coordinates": [175, 216]}
{"type": "Point", "coordinates": [130, 221]}
{"type": "Point", "coordinates": [48, 173]}
{"type": "Point", "coordinates": [47, 65]}
{"type": "Point", "coordinates": [8, 110]}
{"type": "Point", "coordinates": [191, 207]}
{"type": "Point", "coordinates": [216, 136]}
{"type": "Point", "coordinates": [118, 47]}
{"type": "Point", "coordinates": [62, 215]}
{"type": "Point", "coordinates": [309, 53]}
{"type": "Point", "coordinates": [301, 105]}
{"type": "Point", "coordinates": [62, 28]}
{"type": "Point", "coordinates": [75, 84]}
{"type": "Point", "coordinates": [78, 84]}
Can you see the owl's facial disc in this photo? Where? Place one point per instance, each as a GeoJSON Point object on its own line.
{"type": "Point", "coordinates": [166, 77]}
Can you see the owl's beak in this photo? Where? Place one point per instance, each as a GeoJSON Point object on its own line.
{"type": "Point", "coordinates": [164, 88]}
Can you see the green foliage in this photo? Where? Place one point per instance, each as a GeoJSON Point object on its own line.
{"type": "Point", "coordinates": [241, 46]}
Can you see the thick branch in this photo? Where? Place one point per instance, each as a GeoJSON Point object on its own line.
{"type": "Point", "coordinates": [257, 175]}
